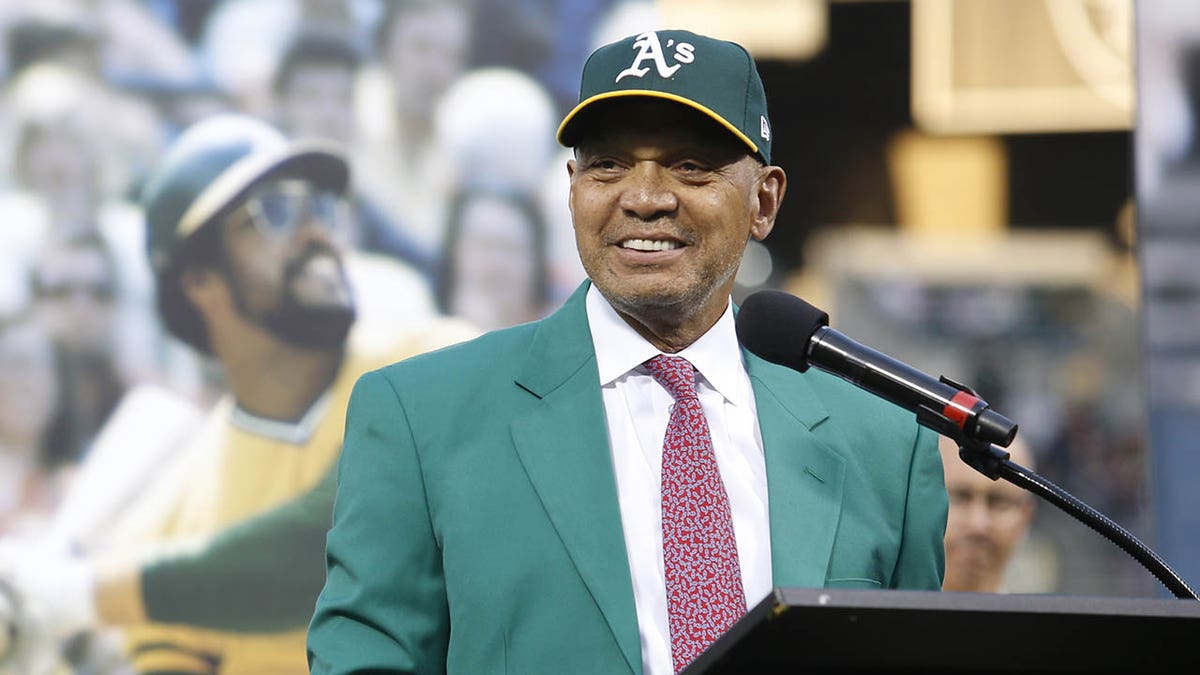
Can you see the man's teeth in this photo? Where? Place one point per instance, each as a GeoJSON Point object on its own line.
{"type": "Point", "coordinates": [322, 265]}
{"type": "Point", "coordinates": [650, 245]}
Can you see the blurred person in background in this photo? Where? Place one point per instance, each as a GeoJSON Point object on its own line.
{"type": "Point", "coordinates": [988, 521]}
{"type": "Point", "coordinates": [314, 83]}
{"type": "Point", "coordinates": [244, 239]}
{"type": "Point", "coordinates": [314, 88]}
{"type": "Point", "coordinates": [91, 46]}
{"type": "Point", "coordinates": [56, 161]}
{"type": "Point", "coordinates": [421, 47]}
{"type": "Point", "coordinates": [30, 481]}
{"type": "Point", "coordinates": [495, 126]}
{"type": "Point", "coordinates": [542, 38]}
{"type": "Point", "coordinates": [74, 286]}
{"type": "Point", "coordinates": [113, 39]}
{"type": "Point", "coordinates": [51, 32]}
{"type": "Point", "coordinates": [494, 271]}
{"type": "Point", "coordinates": [68, 175]}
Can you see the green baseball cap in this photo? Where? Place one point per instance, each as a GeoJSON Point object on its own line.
{"type": "Point", "coordinates": [715, 77]}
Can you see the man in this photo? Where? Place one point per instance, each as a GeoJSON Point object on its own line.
{"type": "Point", "coordinates": [243, 237]}
{"type": "Point", "coordinates": [570, 496]}
{"type": "Point", "coordinates": [988, 520]}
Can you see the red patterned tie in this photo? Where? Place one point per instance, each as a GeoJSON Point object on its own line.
{"type": "Point", "coordinates": [704, 580]}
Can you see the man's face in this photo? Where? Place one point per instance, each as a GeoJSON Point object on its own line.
{"type": "Point", "coordinates": [284, 264]}
{"type": "Point", "coordinates": [61, 166]}
{"type": "Point", "coordinates": [76, 296]}
{"type": "Point", "coordinates": [495, 264]}
{"type": "Point", "coordinates": [987, 521]}
{"type": "Point", "coordinates": [426, 51]}
{"type": "Point", "coordinates": [317, 102]}
{"type": "Point", "coordinates": [663, 202]}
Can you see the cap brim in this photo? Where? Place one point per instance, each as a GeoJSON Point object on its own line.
{"type": "Point", "coordinates": [317, 161]}
{"type": "Point", "coordinates": [569, 130]}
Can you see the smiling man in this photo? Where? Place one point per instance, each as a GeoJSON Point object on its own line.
{"type": "Point", "coordinates": [609, 489]}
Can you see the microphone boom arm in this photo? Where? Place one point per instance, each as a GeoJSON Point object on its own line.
{"type": "Point", "coordinates": [994, 463]}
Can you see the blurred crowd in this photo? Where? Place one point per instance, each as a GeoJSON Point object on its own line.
{"type": "Point", "coordinates": [446, 110]}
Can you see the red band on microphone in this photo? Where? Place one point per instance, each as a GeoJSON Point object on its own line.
{"type": "Point", "coordinates": [959, 408]}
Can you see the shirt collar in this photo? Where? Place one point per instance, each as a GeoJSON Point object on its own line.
{"type": "Point", "coordinates": [293, 433]}
{"type": "Point", "coordinates": [619, 349]}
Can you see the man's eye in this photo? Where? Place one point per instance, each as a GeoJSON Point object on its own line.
{"type": "Point", "coordinates": [604, 164]}
{"type": "Point", "coordinates": [692, 167]}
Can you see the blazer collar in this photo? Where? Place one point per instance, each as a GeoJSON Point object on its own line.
{"type": "Point", "coordinates": [561, 346]}
{"type": "Point", "coordinates": [804, 474]}
{"type": "Point", "coordinates": [563, 445]}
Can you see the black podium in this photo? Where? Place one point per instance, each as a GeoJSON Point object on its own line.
{"type": "Point", "coordinates": [859, 631]}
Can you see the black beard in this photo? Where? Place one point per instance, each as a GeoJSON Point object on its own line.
{"type": "Point", "coordinates": [320, 328]}
{"type": "Point", "coordinates": [317, 327]}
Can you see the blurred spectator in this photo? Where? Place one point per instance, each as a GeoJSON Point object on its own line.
{"type": "Point", "coordinates": [988, 519]}
{"type": "Point", "coordinates": [55, 32]}
{"type": "Point", "coordinates": [56, 161]}
{"type": "Point", "coordinates": [496, 127]}
{"type": "Point", "coordinates": [422, 47]}
{"type": "Point", "coordinates": [314, 90]}
{"type": "Point", "coordinates": [29, 482]}
{"type": "Point", "coordinates": [494, 270]}
{"type": "Point", "coordinates": [549, 39]}
{"type": "Point", "coordinates": [74, 285]}
{"type": "Point", "coordinates": [314, 85]}
{"type": "Point", "coordinates": [69, 177]}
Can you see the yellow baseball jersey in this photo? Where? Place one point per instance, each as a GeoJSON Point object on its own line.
{"type": "Point", "coordinates": [238, 466]}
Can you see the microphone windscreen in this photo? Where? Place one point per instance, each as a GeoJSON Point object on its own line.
{"type": "Point", "coordinates": [776, 326]}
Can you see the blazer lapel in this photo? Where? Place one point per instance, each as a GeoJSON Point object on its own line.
{"type": "Point", "coordinates": [804, 476]}
{"type": "Point", "coordinates": [564, 449]}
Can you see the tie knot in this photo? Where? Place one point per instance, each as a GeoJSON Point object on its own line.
{"type": "Point", "coordinates": [675, 373]}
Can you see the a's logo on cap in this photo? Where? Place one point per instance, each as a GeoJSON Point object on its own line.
{"type": "Point", "coordinates": [764, 128]}
{"type": "Point", "coordinates": [649, 48]}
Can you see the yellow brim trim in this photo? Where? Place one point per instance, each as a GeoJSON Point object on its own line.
{"type": "Point", "coordinates": [653, 94]}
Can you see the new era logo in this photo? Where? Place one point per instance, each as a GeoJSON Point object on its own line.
{"type": "Point", "coordinates": [649, 48]}
{"type": "Point", "coordinates": [764, 128]}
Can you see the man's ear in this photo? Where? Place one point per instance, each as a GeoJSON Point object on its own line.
{"type": "Point", "coordinates": [203, 287]}
{"type": "Point", "coordinates": [772, 184]}
{"type": "Point", "coordinates": [572, 167]}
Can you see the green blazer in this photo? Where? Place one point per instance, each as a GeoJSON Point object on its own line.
{"type": "Point", "coordinates": [476, 527]}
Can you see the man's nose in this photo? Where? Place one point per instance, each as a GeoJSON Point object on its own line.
{"type": "Point", "coordinates": [314, 228]}
{"type": "Point", "coordinates": [977, 515]}
{"type": "Point", "coordinates": [648, 192]}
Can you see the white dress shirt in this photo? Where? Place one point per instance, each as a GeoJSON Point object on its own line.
{"type": "Point", "coordinates": [637, 409]}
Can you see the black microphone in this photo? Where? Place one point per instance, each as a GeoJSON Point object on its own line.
{"type": "Point", "coordinates": [786, 330]}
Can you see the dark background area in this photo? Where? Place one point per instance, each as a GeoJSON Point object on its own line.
{"type": "Point", "coordinates": [835, 114]}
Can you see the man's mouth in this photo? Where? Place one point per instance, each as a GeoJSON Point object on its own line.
{"type": "Point", "coordinates": [316, 260]}
{"type": "Point", "coordinates": [325, 265]}
{"type": "Point", "coordinates": [651, 245]}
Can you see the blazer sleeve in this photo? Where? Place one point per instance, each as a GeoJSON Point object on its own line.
{"type": "Point", "coordinates": [922, 560]}
{"type": "Point", "coordinates": [383, 608]}
{"type": "Point", "coordinates": [234, 582]}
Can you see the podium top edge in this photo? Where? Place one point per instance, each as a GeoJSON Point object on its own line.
{"type": "Point", "coordinates": [783, 598]}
